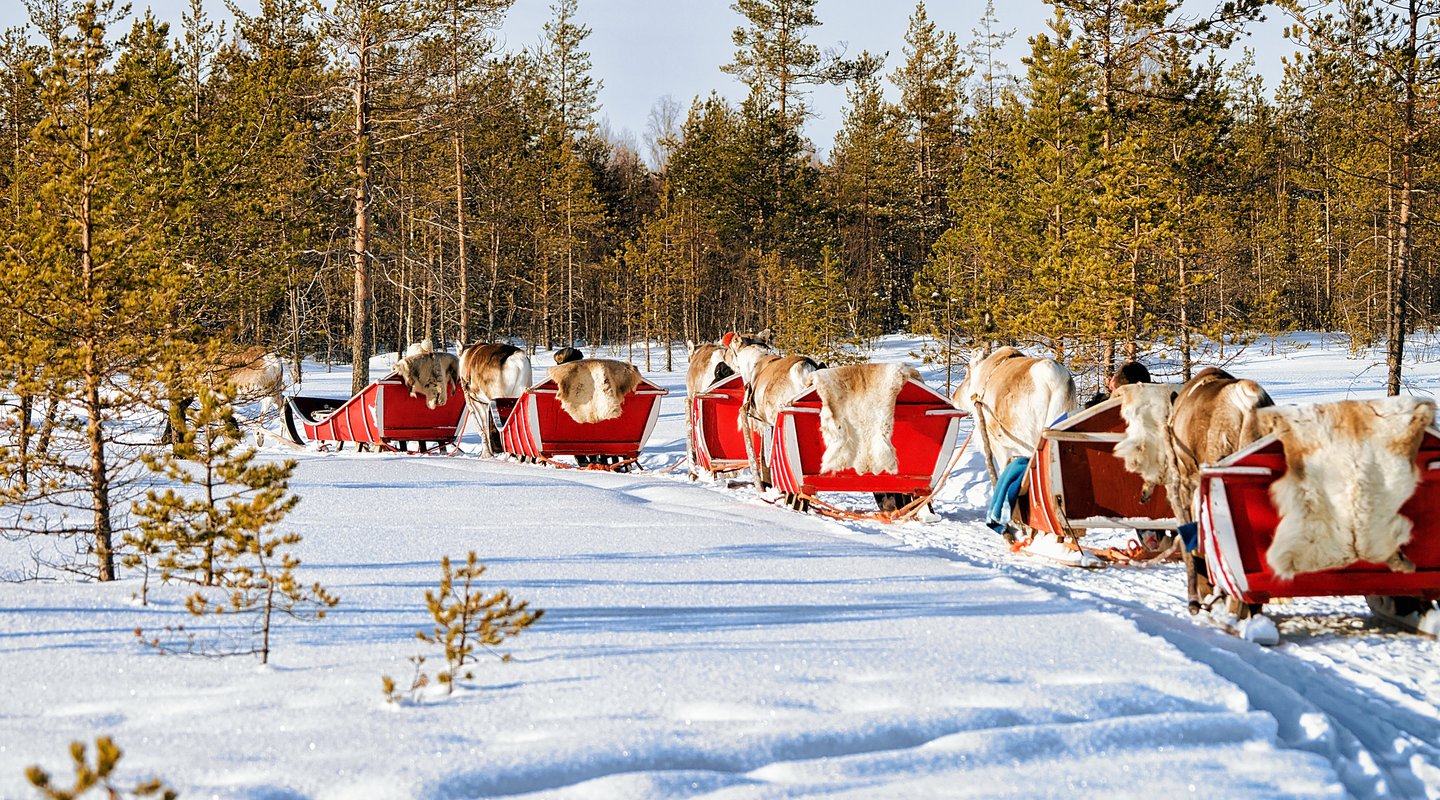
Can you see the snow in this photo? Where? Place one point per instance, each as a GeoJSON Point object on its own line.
{"type": "Point", "coordinates": [699, 642]}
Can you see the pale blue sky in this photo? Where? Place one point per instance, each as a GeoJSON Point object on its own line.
{"type": "Point", "coordinates": [644, 49]}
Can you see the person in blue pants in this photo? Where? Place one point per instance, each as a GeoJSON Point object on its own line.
{"type": "Point", "coordinates": [1002, 500]}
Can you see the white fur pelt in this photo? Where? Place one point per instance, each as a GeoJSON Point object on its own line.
{"type": "Point", "coordinates": [1145, 449]}
{"type": "Point", "coordinates": [428, 373]}
{"type": "Point", "coordinates": [857, 415]}
{"type": "Point", "coordinates": [594, 389]}
{"type": "Point", "coordinates": [1350, 467]}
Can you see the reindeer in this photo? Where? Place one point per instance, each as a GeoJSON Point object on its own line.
{"type": "Point", "coordinates": [1170, 436]}
{"type": "Point", "coordinates": [488, 372]}
{"type": "Point", "coordinates": [771, 381]}
{"type": "Point", "coordinates": [1013, 398]}
{"type": "Point", "coordinates": [254, 374]}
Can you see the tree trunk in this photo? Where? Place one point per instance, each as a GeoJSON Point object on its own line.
{"type": "Point", "coordinates": [360, 257]}
{"type": "Point", "coordinates": [462, 265]}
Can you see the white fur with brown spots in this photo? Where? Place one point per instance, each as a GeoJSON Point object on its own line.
{"type": "Point", "coordinates": [594, 389]}
{"type": "Point", "coordinates": [1350, 466]}
{"type": "Point", "coordinates": [427, 373]}
{"type": "Point", "coordinates": [857, 415]}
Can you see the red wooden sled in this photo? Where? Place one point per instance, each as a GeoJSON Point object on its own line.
{"type": "Point", "coordinates": [1076, 482]}
{"type": "Point", "coordinates": [715, 435]}
{"type": "Point", "coordinates": [382, 415]}
{"type": "Point", "coordinates": [1238, 519]}
{"type": "Point", "coordinates": [926, 431]}
{"type": "Point", "coordinates": [534, 426]}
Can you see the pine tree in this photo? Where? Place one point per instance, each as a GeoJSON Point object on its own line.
{"type": "Point", "coordinates": [466, 618]}
{"type": "Point", "coordinates": [932, 101]}
{"type": "Point", "coordinates": [571, 91]}
{"type": "Point", "coordinates": [865, 184]}
{"type": "Point", "coordinates": [1055, 173]}
{"type": "Point", "coordinates": [96, 776]}
{"type": "Point", "coordinates": [372, 38]}
{"type": "Point", "coordinates": [220, 530]}
{"type": "Point", "coordinates": [87, 265]}
{"type": "Point", "coordinates": [1395, 46]}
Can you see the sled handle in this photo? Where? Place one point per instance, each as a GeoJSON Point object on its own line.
{"type": "Point", "coordinates": [1218, 472]}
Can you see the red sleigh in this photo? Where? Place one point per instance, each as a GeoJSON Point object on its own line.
{"type": "Point", "coordinates": [383, 415]}
{"type": "Point", "coordinates": [926, 432]}
{"type": "Point", "coordinates": [715, 436]}
{"type": "Point", "coordinates": [1238, 519]}
{"type": "Point", "coordinates": [1076, 482]}
{"type": "Point", "coordinates": [534, 426]}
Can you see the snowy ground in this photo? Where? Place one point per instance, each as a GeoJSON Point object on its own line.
{"type": "Point", "coordinates": [698, 642]}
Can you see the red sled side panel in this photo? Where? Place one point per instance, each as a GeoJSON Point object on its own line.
{"type": "Point", "coordinates": [924, 439]}
{"type": "Point", "coordinates": [1076, 480]}
{"type": "Point", "coordinates": [716, 437]}
{"type": "Point", "coordinates": [1239, 520]}
{"type": "Point", "coordinates": [539, 426]}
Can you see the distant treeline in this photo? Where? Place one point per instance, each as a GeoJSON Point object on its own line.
{"type": "Point", "coordinates": [346, 178]}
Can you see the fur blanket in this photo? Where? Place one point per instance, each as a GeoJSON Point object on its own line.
{"type": "Point", "coordinates": [428, 373]}
{"type": "Point", "coordinates": [1145, 448]}
{"type": "Point", "coordinates": [594, 389]}
{"type": "Point", "coordinates": [857, 415]}
{"type": "Point", "coordinates": [1350, 467]}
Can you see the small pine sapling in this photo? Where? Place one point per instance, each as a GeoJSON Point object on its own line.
{"type": "Point", "coordinates": [465, 618]}
{"type": "Point", "coordinates": [418, 681]}
{"type": "Point", "coordinates": [98, 776]}
{"type": "Point", "coordinates": [226, 537]}
{"type": "Point", "coordinates": [181, 531]}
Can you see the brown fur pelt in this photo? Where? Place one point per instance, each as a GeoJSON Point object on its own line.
{"type": "Point", "coordinates": [567, 354]}
{"type": "Point", "coordinates": [428, 373]}
{"type": "Point", "coordinates": [1350, 466]}
{"type": "Point", "coordinates": [594, 389]}
{"type": "Point", "coordinates": [857, 415]}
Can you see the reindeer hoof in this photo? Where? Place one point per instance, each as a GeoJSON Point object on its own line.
{"type": "Point", "coordinates": [1194, 607]}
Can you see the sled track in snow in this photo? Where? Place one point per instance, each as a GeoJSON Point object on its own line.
{"type": "Point", "coordinates": [1325, 685]}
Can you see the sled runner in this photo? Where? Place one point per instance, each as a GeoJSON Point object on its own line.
{"type": "Point", "coordinates": [715, 435]}
{"type": "Point", "coordinates": [1075, 482]}
{"type": "Point", "coordinates": [1238, 521]}
{"type": "Point", "coordinates": [383, 415]}
{"type": "Point", "coordinates": [926, 432]}
{"type": "Point", "coordinates": [534, 426]}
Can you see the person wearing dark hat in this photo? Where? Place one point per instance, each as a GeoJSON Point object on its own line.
{"type": "Point", "coordinates": [1129, 372]}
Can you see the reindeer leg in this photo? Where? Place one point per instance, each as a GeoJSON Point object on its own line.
{"type": "Point", "coordinates": [1192, 579]}
{"type": "Point", "coordinates": [690, 439]}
